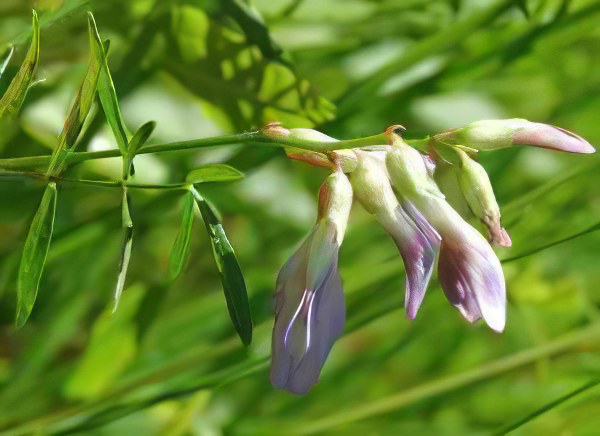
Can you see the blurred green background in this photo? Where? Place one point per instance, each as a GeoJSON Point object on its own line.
{"type": "Point", "coordinates": [169, 362]}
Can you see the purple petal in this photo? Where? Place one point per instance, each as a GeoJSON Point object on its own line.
{"type": "Point", "coordinates": [308, 318]}
{"type": "Point", "coordinates": [418, 254]}
{"type": "Point", "coordinates": [472, 279]}
{"type": "Point", "coordinates": [546, 136]}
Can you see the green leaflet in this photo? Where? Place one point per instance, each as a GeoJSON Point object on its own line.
{"type": "Point", "coordinates": [13, 98]}
{"type": "Point", "coordinates": [231, 275]}
{"type": "Point", "coordinates": [79, 109]}
{"type": "Point", "coordinates": [106, 89]}
{"type": "Point", "coordinates": [34, 254]}
{"type": "Point", "coordinates": [181, 248]}
{"type": "Point", "coordinates": [137, 142]}
{"type": "Point", "coordinates": [213, 173]}
{"type": "Point", "coordinates": [125, 250]}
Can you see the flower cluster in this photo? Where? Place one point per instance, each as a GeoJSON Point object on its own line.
{"type": "Point", "coordinates": [425, 202]}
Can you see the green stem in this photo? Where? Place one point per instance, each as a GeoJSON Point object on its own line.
{"type": "Point", "coordinates": [252, 138]}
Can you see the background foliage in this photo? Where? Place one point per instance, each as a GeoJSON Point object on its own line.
{"type": "Point", "coordinates": [168, 361]}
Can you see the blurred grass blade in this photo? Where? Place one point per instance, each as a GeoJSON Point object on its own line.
{"type": "Point", "coordinates": [79, 110]}
{"type": "Point", "coordinates": [106, 89]}
{"type": "Point", "coordinates": [125, 250]}
{"type": "Point", "coordinates": [232, 278]}
{"type": "Point", "coordinates": [590, 229]}
{"type": "Point", "coordinates": [181, 248]}
{"type": "Point", "coordinates": [214, 173]}
{"type": "Point", "coordinates": [139, 139]}
{"type": "Point", "coordinates": [6, 61]}
{"type": "Point", "coordinates": [34, 256]}
{"type": "Point", "coordinates": [553, 404]}
{"type": "Point", "coordinates": [13, 98]}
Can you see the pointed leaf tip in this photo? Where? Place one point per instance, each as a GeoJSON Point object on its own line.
{"type": "Point", "coordinates": [214, 173]}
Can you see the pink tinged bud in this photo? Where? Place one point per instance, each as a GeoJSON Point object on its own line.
{"type": "Point", "coordinates": [415, 238]}
{"type": "Point", "coordinates": [469, 271]}
{"type": "Point", "coordinates": [310, 311]}
{"type": "Point", "coordinates": [496, 134]}
{"type": "Point", "coordinates": [479, 194]}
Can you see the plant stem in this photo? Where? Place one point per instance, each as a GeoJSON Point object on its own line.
{"type": "Point", "coordinates": [251, 138]}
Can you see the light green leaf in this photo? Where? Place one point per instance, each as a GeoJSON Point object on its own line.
{"type": "Point", "coordinates": [137, 142]}
{"type": "Point", "coordinates": [34, 256]}
{"type": "Point", "coordinates": [13, 98]}
{"type": "Point", "coordinates": [106, 89]}
{"type": "Point", "coordinates": [234, 285]}
{"type": "Point", "coordinates": [79, 109]}
{"type": "Point", "coordinates": [214, 173]}
{"type": "Point", "coordinates": [125, 250]}
{"type": "Point", "coordinates": [181, 248]}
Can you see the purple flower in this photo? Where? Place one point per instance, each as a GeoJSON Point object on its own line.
{"type": "Point", "coordinates": [310, 311]}
{"type": "Point", "coordinates": [416, 239]}
{"type": "Point", "coordinates": [469, 271]}
{"type": "Point", "coordinates": [495, 134]}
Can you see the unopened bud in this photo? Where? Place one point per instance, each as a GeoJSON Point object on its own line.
{"type": "Point", "coordinates": [477, 190]}
{"type": "Point", "coordinates": [496, 134]}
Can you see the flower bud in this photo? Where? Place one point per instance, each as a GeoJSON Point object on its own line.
{"type": "Point", "coordinates": [416, 239]}
{"type": "Point", "coordinates": [309, 302]}
{"type": "Point", "coordinates": [342, 158]}
{"type": "Point", "coordinates": [477, 189]}
{"type": "Point", "coordinates": [496, 134]}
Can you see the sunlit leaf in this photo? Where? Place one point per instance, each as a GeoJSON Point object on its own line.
{"type": "Point", "coordinates": [34, 256]}
{"type": "Point", "coordinates": [234, 285]}
{"type": "Point", "coordinates": [13, 98]}
{"type": "Point", "coordinates": [126, 248]}
{"type": "Point", "coordinates": [181, 248]}
{"type": "Point", "coordinates": [214, 173]}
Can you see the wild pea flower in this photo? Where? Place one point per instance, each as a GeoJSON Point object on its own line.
{"type": "Point", "coordinates": [416, 239]}
{"type": "Point", "coordinates": [310, 311]}
{"type": "Point", "coordinates": [495, 134]}
{"type": "Point", "coordinates": [468, 269]}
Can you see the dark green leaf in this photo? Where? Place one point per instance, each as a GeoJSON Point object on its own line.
{"type": "Point", "coordinates": [181, 248]}
{"type": "Point", "coordinates": [106, 90]}
{"type": "Point", "coordinates": [13, 98]}
{"type": "Point", "coordinates": [214, 173]}
{"type": "Point", "coordinates": [137, 142]}
{"type": "Point", "coordinates": [125, 249]}
{"type": "Point", "coordinates": [34, 254]}
{"type": "Point", "coordinates": [231, 275]}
